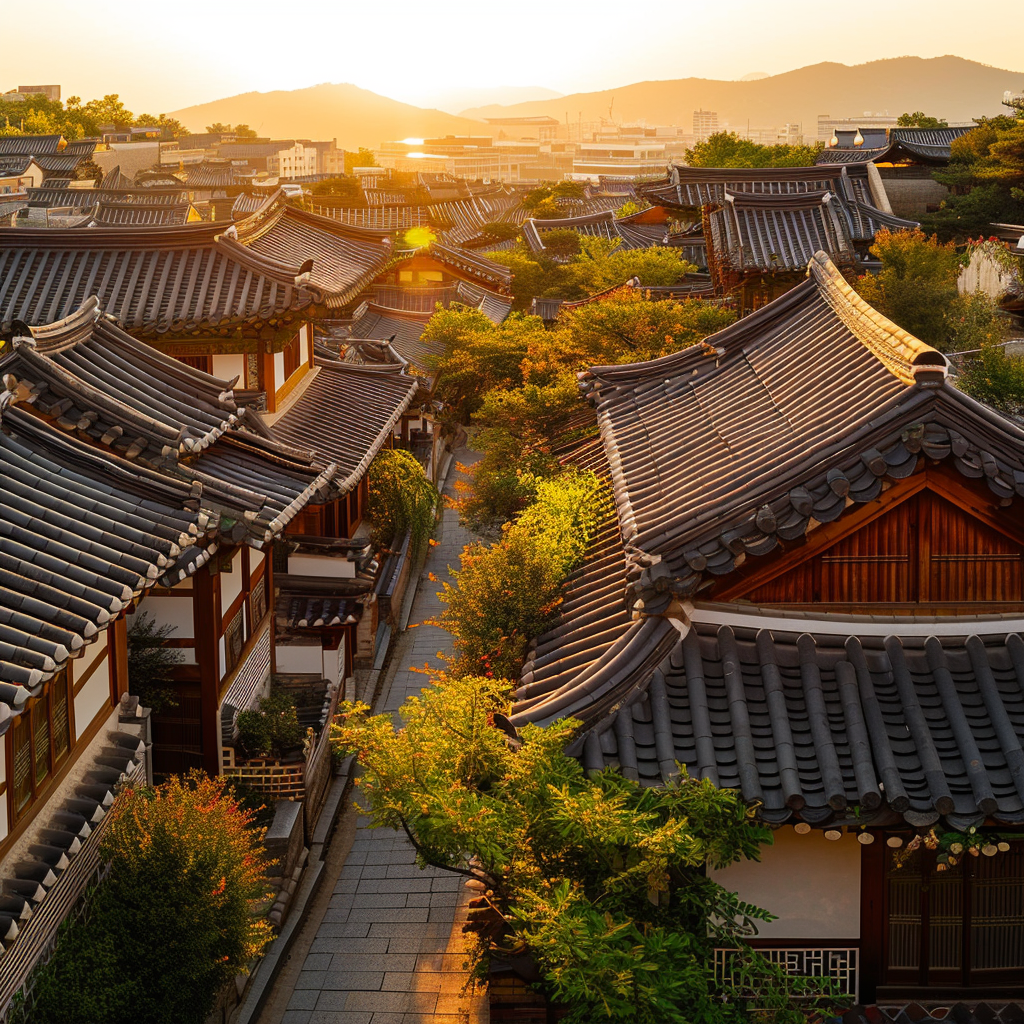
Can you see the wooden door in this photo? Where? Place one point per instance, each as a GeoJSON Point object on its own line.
{"type": "Point", "coordinates": [178, 733]}
{"type": "Point", "coordinates": [960, 928]}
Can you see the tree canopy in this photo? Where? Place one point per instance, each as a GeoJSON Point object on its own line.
{"type": "Point", "coordinates": [986, 178]}
{"type": "Point", "coordinates": [601, 881]}
{"type": "Point", "coordinates": [73, 119]}
{"type": "Point", "coordinates": [919, 119]}
{"type": "Point", "coordinates": [727, 149]}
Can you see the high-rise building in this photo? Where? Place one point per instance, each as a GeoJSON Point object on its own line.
{"type": "Point", "coordinates": [705, 123]}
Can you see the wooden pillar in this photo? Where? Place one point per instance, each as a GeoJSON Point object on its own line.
{"type": "Point", "coordinates": [268, 577]}
{"type": "Point", "coordinates": [268, 380]}
{"type": "Point", "coordinates": [872, 916]}
{"type": "Point", "coordinates": [205, 621]}
{"type": "Point", "coordinates": [117, 652]}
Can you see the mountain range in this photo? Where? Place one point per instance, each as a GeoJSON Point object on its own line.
{"type": "Point", "coordinates": [948, 87]}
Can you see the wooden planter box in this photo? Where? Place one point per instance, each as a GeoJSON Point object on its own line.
{"type": "Point", "coordinates": [512, 1000]}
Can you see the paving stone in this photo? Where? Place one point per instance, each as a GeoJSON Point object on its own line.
{"type": "Point", "coordinates": [406, 1002]}
{"type": "Point", "coordinates": [303, 999]}
{"type": "Point", "coordinates": [317, 962]}
{"type": "Point", "coordinates": [347, 980]}
{"type": "Point", "coordinates": [296, 1017]}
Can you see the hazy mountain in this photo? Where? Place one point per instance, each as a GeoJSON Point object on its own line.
{"type": "Point", "coordinates": [355, 117]}
{"type": "Point", "coordinates": [454, 101]}
{"type": "Point", "coordinates": [948, 87]}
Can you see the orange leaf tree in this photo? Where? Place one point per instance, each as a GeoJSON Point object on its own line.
{"type": "Point", "coordinates": [175, 917]}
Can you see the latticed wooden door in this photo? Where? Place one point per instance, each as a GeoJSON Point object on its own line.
{"type": "Point", "coordinates": [961, 927]}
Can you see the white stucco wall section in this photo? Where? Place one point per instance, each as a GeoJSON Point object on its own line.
{"type": "Point", "coordinates": [231, 583]}
{"type": "Point", "coordinates": [329, 566]}
{"type": "Point", "coordinates": [94, 697]}
{"type": "Point", "coordinates": [228, 366]}
{"type": "Point", "coordinates": [811, 884]}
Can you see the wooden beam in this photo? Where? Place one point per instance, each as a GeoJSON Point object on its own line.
{"type": "Point", "coordinates": [205, 623]}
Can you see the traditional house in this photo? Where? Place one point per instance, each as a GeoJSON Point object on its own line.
{"type": "Point", "coordinates": [904, 159]}
{"type": "Point", "coordinates": [638, 231]}
{"type": "Point", "coordinates": [812, 591]}
{"type": "Point", "coordinates": [760, 226]}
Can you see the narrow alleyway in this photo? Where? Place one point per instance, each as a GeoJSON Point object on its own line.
{"type": "Point", "coordinates": [388, 949]}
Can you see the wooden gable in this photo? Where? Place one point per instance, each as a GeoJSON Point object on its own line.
{"type": "Point", "coordinates": [929, 549]}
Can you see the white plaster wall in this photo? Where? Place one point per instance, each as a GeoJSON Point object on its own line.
{"type": "Point", "coordinates": [304, 343]}
{"type": "Point", "coordinates": [175, 612]}
{"type": "Point", "coordinates": [278, 372]}
{"type": "Point", "coordinates": [93, 698]}
{"type": "Point", "coordinates": [90, 653]}
{"type": "Point", "coordinates": [301, 659]}
{"type": "Point", "coordinates": [171, 611]}
{"type": "Point", "coordinates": [811, 884]}
{"type": "Point", "coordinates": [231, 583]}
{"type": "Point", "coordinates": [321, 565]}
{"type": "Point", "coordinates": [228, 366]}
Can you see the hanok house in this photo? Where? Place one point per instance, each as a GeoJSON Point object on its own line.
{"type": "Point", "coordinates": [172, 426]}
{"type": "Point", "coordinates": [813, 592]}
{"type": "Point", "coordinates": [196, 291]}
{"type": "Point", "coordinates": [396, 308]}
{"type": "Point", "coordinates": [760, 226]}
{"type": "Point", "coordinates": [904, 160]}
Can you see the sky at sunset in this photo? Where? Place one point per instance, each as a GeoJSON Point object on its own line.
{"type": "Point", "coordinates": [414, 51]}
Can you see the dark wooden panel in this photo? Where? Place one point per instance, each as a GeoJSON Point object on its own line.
{"type": "Point", "coordinates": [925, 550]}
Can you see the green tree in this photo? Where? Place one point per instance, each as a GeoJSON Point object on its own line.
{"type": "Point", "coordinates": [986, 178]}
{"type": "Point", "coordinates": [362, 157]}
{"type": "Point", "coordinates": [173, 920]}
{"type": "Point", "coordinates": [171, 126]}
{"type": "Point", "coordinates": [603, 882]}
{"type": "Point", "coordinates": [271, 728]}
{"type": "Point", "coordinates": [151, 663]}
{"type": "Point", "coordinates": [401, 499]}
{"type": "Point", "coordinates": [996, 378]}
{"type": "Point", "coordinates": [506, 593]}
{"type": "Point", "coordinates": [919, 119]}
{"type": "Point", "coordinates": [109, 110]}
{"type": "Point", "coordinates": [727, 149]}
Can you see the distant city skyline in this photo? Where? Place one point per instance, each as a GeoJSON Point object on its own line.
{"type": "Point", "coordinates": [415, 53]}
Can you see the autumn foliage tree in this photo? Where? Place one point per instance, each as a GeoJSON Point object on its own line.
{"type": "Point", "coordinates": [600, 881]}
{"type": "Point", "coordinates": [174, 918]}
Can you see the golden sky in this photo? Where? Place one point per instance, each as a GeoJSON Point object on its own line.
{"type": "Point", "coordinates": [160, 60]}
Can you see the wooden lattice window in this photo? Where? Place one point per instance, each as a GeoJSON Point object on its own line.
{"type": "Point", "coordinates": [21, 750]}
{"type": "Point", "coordinates": [40, 741]}
{"type": "Point", "coordinates": [234, 641]}
{"type": "Point", "coordinates": [259, 600]}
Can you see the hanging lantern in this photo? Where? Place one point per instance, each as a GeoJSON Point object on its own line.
{"type": "Point", "coordinates": [1003, 847]}
{"type": "Point", "coordinates": [834, 141]}
{"type": "Point", "coordinates": [833, 834]}
{"type": "Point", "coordinates": [801, 828]}
{"type": "Point", "coordinates": [989, 850]}
{"type": "Point", "coordinates": [894, 841]}
{"type": "Point", "coordinates": [865, 838]}
{"type": "Point", "coordinates": [858, 139]}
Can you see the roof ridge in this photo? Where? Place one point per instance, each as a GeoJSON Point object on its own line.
{"type": "Point", "coordinates": [900, 352]}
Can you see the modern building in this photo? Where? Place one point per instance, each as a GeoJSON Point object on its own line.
{"type": "Point", "coordinates": [705, 123]}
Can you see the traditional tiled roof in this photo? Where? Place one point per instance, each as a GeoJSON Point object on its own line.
{"type": "Point", "coordinates": [927, 143]}
{"type": "Point", "coordinates": [693, 188]}
{"type": "Point", "coordinates": [138, 215]}
{"type": "Point", "coordinates": [84, 534]}
{"type": "Point", "coordinates": [404, 328]}
{"type": "Point", "coordinates": [30, 145]}
{"type": "Point", "coordinates": [471, 265]}
{"type": "Point", "coordinates": [791, 414]}
{"type": "Point", "coordinates": [50, 195]}
{"type": "Point", "coordinates": [629, 234]}
{"type": "Point", "coordinates": [825, 719]}
{"type": "Point", "coordinates": [190, 280]}
{"type": "Point", "coordinates": [767, 233]}
{"type": "Point", "coordinates": [347, 413]}
{"type": "Point", "coordinates": [61, 163]}
{"type": "Point", "coordinates": [932, 145]}
{"type": "Point", "coordinates": [217, 175]}
{"type": "Point", "coordinates": [175, 425]}
{"type": "Point", "coordinates": [343, 260]}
